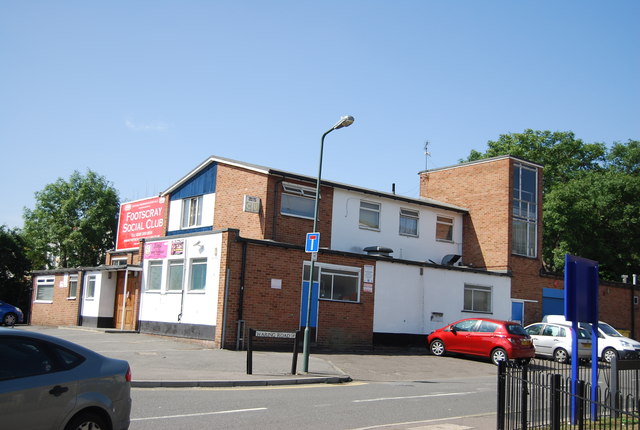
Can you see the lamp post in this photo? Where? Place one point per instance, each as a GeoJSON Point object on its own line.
{"type": "Point", "coordinates": [345, 121]}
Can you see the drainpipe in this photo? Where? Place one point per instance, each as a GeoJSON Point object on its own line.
{"type": "Point", "coordinates": [633, 308]}
{"type": "Point", "coordinates": [274, 229]}
{"type": "Point", "coordinates": [242, 277]}
{"type": "Point", "coordinates": [79, 296]}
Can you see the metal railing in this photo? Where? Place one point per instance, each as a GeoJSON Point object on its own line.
{"type": "Point", "coordinates": [542, 395]}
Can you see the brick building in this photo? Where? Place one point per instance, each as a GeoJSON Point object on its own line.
{"type": "Point", "coordinates": [230, 256]}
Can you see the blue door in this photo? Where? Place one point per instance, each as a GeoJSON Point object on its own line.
{"type": "Point", "coordinates": [552, 301]}
{"type": "Point", "coordinates": [313, 318]}
{"type": "Point", "coordinates": [517, 311]}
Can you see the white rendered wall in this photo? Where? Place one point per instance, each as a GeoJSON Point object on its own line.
{"type": "Point", "coordinates": [102, 303]}
{"type": "Point", "coordinates": [175, 212]}
{"type": "Point", "coordinates": [405, 300]}
{"type": "Point", "coordinates": [197, 307]}
{"type": "Point", "coordinates": [346, 235]}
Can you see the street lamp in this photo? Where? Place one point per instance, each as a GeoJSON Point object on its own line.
{"type": "Point", "coordinates": [345, 121]}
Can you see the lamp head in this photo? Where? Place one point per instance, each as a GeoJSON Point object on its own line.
{"type": "Point", "coordinates": [345, 121]}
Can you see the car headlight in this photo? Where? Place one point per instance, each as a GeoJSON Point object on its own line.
{"type": "Point", "coordinates": [625, 343]}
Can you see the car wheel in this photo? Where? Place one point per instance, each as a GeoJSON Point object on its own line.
{"type": "Point", "coordinates": [437, 347]}
{"type": "Point", "coordinates": [609, 355]}
{"type": "Point", "coordinates": [560, 355]}
{"type": "Point", "coordinates": [87, 421]}
{"type": "Point", "coordinates": [498, 355]}
{"type": "Point", "coordinates": [10, 319]}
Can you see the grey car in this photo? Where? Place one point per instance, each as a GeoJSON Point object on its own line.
{"type": "Point", "coordinates": [50, 383]}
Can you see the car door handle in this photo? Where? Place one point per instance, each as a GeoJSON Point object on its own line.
{"type": "Point", "coordinates": [58, 390]}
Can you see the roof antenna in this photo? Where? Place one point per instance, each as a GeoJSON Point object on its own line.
{"type": "Point", "coordinates": [426, 155]}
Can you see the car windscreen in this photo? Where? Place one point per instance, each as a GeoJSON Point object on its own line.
{"type": "Point", "coordinates": [608, 330]}
{"type": "Point", "coordinates": [516, 329]}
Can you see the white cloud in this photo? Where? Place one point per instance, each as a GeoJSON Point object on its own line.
{"type": "Point", "coordinates": [158, 126]}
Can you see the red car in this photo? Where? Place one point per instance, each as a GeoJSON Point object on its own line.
{"type": "Point", "coordinates": [496, 339]}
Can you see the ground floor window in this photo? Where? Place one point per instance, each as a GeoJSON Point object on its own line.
{"type": "Point", "coordinates": [336, 282]}
{"type": "Point", "coordinates": [73, 286]}
{"type": "Point", "coordinates": [44, 288]}
{"type": "Point", "coordinates": [198, 274]}
{"type": "Point", "coordinates": [477, 298]}
{"type": "Point", "coordinates": [154, 276]}
{"type": "Point", "coordinates": [176, 271]}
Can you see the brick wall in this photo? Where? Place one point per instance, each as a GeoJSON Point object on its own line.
{"type": "Point", "coordinates": [484, 189]}
{"type": "Point", "coordinates": [62, 311]}
{"type": "Point", "coordinates": [232, 184]}
{"type": "Point", "coordinates": [339, 325]}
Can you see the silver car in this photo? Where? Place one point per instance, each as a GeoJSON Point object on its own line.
{"type": "Point", "coordinates": [555, 341]}
{"type": "Point", "coordinates": [50, 383]}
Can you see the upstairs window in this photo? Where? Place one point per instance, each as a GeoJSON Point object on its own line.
{"type": "Point", "coordinates": [297, 200]}
{"type": "Point", "coordinates": [369, 215]}
{"type": "Point", "coordinates": [192, 212]}
{"type": "Point", "coordinates": [525, 211]}
{"type": "Point", "coordinates": [409, 222]}
{"type": "Point", "coordinates": [444, 229]}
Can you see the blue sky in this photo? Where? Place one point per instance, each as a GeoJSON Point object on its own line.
{"type": "Point", "coordinates": [143, 91]}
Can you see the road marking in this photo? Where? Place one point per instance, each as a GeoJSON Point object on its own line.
{"type": "Point", "coordinates": [380, 399]}
{"type": "Point", "coordinates": [201, 414]}
{"type": "Point", "coordinates": [404, 425]}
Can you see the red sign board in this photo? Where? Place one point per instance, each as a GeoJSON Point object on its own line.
{"type": "Point", "coordinates": [141, 219]}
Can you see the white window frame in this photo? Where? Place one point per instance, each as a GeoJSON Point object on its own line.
{"type": "Point", "coordinates": [173, 264]}
{"type": "Point", "coordinates": [409, 214]}
{"type": "Point", "coordinates": [323, 269]}
{"type": "Point", "coordinates": [122, 261]}
{"type": "Point", "coordinates": [150, 279]}
{"type": "Point", "coordinates": [481, 289]}
{"type": "Point", "coordinates": [45, 283]}
{"type": "Point", "coordinates": [373, 207]}
{"type": "Point", "coordinates": [91, 287]}
{"type": "Point", "coordinates": [191, 212]}
{"type": "Point", "coordinates": [300, 193]}
{"type": "Point", "coordinates": [444, 220]}
{"type": "Point", "coordinates": [71, 280]}
{"type": "Point", "coordinates": [197, 261]}
{"type": "Point", "coordinates": [524, 236]}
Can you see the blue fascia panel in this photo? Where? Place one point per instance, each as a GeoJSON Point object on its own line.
{"type": "Point", "coordinates": [202, 183]}
{"type": "Point", "coordinates": [189, 230]}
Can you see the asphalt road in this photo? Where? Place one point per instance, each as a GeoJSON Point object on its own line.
{"type": "Point", "coordinates": [356, 405]}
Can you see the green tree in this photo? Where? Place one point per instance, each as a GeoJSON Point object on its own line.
{"type": "Point", "coordinates": [591, 197]}
{"type": "Point", "coordinates": [563, 156]}
{"type": "Point", "coordinates": [73, 223]}
{"type": "Point", "coordinates": [14, 268]}
{"type": "Point", "coordinates": [596, 216]}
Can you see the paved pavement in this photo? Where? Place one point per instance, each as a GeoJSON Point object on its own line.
{"type": "Point", "coordinates": [160, 361]}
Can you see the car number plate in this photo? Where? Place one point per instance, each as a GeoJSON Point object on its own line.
{"type": "Point", "coordinates": [526, 341]}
